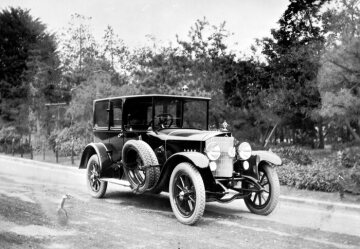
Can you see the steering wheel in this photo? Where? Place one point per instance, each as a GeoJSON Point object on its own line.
{"type": "Point", "coordinates": [165, 120]}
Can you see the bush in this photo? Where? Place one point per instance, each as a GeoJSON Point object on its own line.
{"type": "Point", "coordinates": [66, 141]}
{"type": "Point", "coordinates": [324, 174]}
{"type": "Point", "coordinates": [294, 154]}
{"type": "Point", "coordinates": [317, 176]}
{"type": "Point", "coordinates": [349, 157]}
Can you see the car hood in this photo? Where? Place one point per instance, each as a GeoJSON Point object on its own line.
{"type": "Point", "coordinates": [188, 134]}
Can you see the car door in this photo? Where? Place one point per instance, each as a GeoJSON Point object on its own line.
{"type": "Point", "coordinates": [101, 121]}
{"type": "Point", "coordinates": [116, 135]}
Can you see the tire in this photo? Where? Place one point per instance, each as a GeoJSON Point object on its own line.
{"type": "Point", "coordinates": [155, 189]}
{"type": "Point", "coordinates": [263, 203]}
{"type": "Point", "coordinates": [96, 187]}
{"type": "Point", "coordinates": [187, 193]}
{"type": "Point", "coordinates": [138, 153]}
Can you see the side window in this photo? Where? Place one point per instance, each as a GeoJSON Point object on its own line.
{"type": "Point", "coordinates": [137, 113]}
{"type": "Point", "coordinates": [117, 114]}
{"type": "Point", "coordinates": [101, 117]}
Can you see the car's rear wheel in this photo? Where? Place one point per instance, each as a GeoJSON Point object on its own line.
{"type": "Point", "coordinates": [136, 155]}
{"type": "Point", "coordinates": [96, 187]}
{"type": "Point", "coordinates": [264, 202]}
{"type": "Point", "coordinates": [187, 193]}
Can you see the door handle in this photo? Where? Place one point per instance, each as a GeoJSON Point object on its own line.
{"type": "Point", "coordinates": [120, 134]}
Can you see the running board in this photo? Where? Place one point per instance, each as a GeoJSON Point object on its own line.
{"type": "Point", "coordinates": [116, 181]}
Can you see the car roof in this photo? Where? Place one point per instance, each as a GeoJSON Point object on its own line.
{"type": "Point", "coordinates": [154, 95]}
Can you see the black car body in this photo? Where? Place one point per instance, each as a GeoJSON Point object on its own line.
{"type": "Point", "coordinates": [155, 143]}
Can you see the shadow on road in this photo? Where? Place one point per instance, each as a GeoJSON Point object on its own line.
{"type": "Point", "coordinates": [160, 204]}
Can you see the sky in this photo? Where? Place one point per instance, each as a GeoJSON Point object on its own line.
{"type": "Point", "coordinates": [133, 20]}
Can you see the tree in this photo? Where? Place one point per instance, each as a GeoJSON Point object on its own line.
{"type": "Point", "coordinates": [43, 76]}
{"type": "Point", "coordinates": [199, 63]}
{"type": "Point", "coordinates": [339, 75]}
{"type": "Point", "coordinates": [293, 55]}
{"type": "Point", "coordinates": [78, 47]}
{"type": "Point", "coordinates": [15, 41]}
{"type": "Point", "coordinates": [28, 68]}
{"type": "Point", "coordinates": [115, 51]}
{"type": "Point", "coordinates": [248, 91]}
{"type": "Point", "coordinates": [99, 84]}
{"type": "Point", "coordinates": [207, 51]}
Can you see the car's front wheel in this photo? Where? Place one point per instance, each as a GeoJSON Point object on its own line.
{"type": "Point", "coordinates": [263, 202]}
{"type": "Point", "coordinates": [187, 193]}
{"type": "Point", "coordinates": [96, 187]}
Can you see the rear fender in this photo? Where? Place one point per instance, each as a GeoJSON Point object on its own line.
{"type": "Point", "coordinates": [267, 156]}
{"type": "Point", "coordinates": [99, 149]}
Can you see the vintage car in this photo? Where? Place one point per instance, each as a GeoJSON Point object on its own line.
{"type": "Point", "coordinates": [154, 143]}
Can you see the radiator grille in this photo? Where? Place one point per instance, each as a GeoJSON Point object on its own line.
{"type": "Point", "coordinates": [225, 162]}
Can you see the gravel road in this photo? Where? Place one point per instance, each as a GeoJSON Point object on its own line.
{"type": "Point", "coordinates": [30, 193]}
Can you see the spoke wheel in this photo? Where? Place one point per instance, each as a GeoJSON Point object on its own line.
{"type": "Point", "coordinates": [96, 187]}
{"type": "Point", "coordinates": [187, 193]}
{"type": "Point", "coordinates": [264, 202]}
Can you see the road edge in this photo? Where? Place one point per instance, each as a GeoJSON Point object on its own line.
{"type": "Point", "coordinates": [299, 200]}
{"type": "Point", "coordinates": [324, 204]}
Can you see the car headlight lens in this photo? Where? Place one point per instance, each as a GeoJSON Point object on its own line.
{"type": "Point", "coordinates": [213, 151]}
{"type": "Point", "coordinates": [244, 150]}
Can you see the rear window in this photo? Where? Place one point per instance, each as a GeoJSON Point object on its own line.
{"type": "Point", "coordinates": [117, 114]}
{"type": "Point", "coordinates": [101, 117]}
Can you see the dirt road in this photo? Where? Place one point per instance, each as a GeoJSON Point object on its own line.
{"type": "Point", "coordinates": [31, 192]}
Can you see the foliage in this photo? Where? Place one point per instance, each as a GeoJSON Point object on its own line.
{"type": "Point", "coordinates": [349, 157]}
{"type": "Point", "coordinates": [65, 142]}
{"type": "Point", "coordinates": [294, 154]}
{"type": "Point", "coordinates": [318, 176]}
{"type": "Point", "coordinates": [115, 51]}
{"type": "Point", "coordinates": [14, 23]}
{"type": "Point", "coordinates": [293, 54]}
{"type": "Point", "coordinates": [9, 133]}
{"type": "Point", "coordinates": [307, 83]}
{"type": "Point", "coordinates": [99, 84]}
{"type": "Point", "coordinates": [29, 70]}
{"type": "Point", "coordinates": [339, 75]}
{"type": "Point", "coordinates": [327, 172]}
{"type": "Point", "coordinates": [26, 51]}
{"type": "Point", "coordinates": [202, 63]}
{"type": "Point", "coordinates": [78, 46]}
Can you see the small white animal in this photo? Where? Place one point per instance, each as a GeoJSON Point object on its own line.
{"type": "Point", "coordinates": [61, 212]}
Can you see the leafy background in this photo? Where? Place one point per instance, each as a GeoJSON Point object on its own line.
{"type": "Point", "coordinates": [301, 85]}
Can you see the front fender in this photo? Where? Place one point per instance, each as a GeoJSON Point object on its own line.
{"type": "Point", "coordinates": [267, 156]}
{"type": "Point", "coordinates": [99, 149]}
{"type": "Point", "coordinates": [197, 159]}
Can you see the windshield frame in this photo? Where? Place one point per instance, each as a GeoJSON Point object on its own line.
{"type": "Point", "coordinates": [182, 99]}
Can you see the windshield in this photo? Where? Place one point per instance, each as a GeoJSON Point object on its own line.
{"type": "Point", "coordinates": [180, 113]}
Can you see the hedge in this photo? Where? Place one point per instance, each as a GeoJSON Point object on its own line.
{"type": "Point", "coordinates": [338, 172]}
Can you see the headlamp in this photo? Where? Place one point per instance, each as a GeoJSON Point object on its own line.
{"type": "Point", "coordinates": [213, 151]}
{"type": "Point", "coordinates": [244, 150]}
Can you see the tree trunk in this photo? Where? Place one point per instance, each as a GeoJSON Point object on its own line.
{"type": "Point", "coordinates": [351, 130]}
{"type": "Point", "coordinates": [282, 139]}
{"type": "Point", "coordinates": [30, 145]}
{"type": "Point", "coordinates": [270, 135]}
{"type": "Point", "coordinates": [275, 136]}
{"type": "Point", "coordinates": [321, 135]}
{"type": "Point", "coordinates": [293, 134]}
